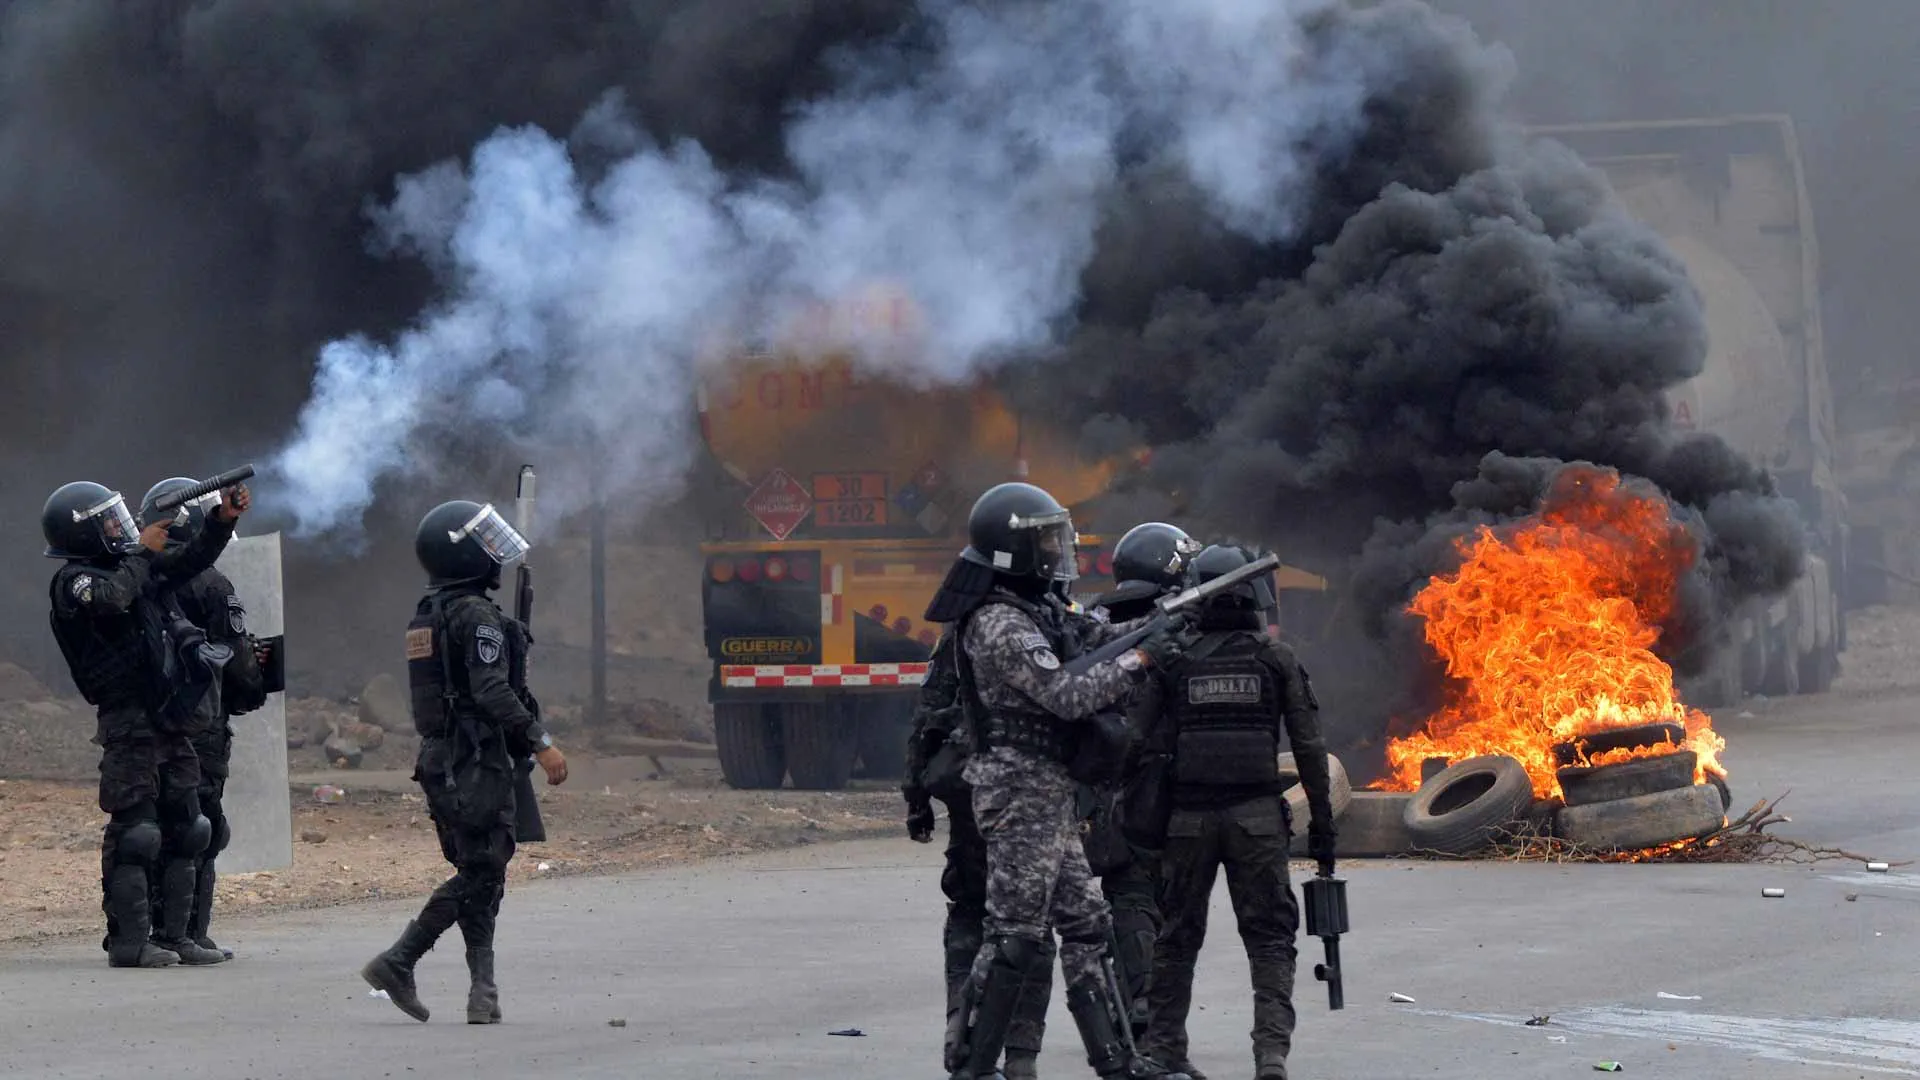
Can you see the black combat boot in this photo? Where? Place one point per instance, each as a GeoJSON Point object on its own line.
{"type": "Point", "coordinates": [1107, 1052]}
{"type": "Point", "coordinates": [132, 923]}
{"type": "Point", "coordinates": [392, 971]}
{"type": "Point", "coordinates": [203, 911]}
{"type": "Point", "coordinates": [178, 884]}
{"type": "Point", "coordinates": [1021, 1065]}
{"type": "Point", "coordinates": [483, 1000]}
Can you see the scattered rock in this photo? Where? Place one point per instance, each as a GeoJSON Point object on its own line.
{"type": "Point", "coordinates": [342, 752]}
{"type": "Point", "coordinates": [364, 735]}
{"type": "Point", "coordinates": [384, 705]}
{"type": "Point", "coordinates": [312, 836]}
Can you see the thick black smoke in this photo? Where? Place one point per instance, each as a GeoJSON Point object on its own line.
{"type": "Point", "coordinates": [183, 195]}
{"type": "Point", "coordinates": [1470, 312]}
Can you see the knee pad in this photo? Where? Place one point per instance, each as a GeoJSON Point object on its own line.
{"type": "Point", "coordinates": [1022, 955]}
{"type": "Point", "coordinates": [139, 844]}
{"type": "Point", "coordinates": [222, 835]}
{"type": "Point", "coordinates": [190, 838]}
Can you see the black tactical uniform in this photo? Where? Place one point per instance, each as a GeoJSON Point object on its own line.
{"type": "Point", "coordinates": [1125, 834]}
{"type": "Point", "coordinates": [208, 602]}
{"type": "Point", "coordinates": [466, 666]}
{"type": "Point", "coordinates": [936, 753]}
{"type": "Point", "coordinates": [1226, 701]}
{"type": "Point", "coordinates": [136, 660]}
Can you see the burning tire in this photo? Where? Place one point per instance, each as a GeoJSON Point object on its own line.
{"type": "Point", "coordinates": [1643, 821]}
{"type": "Point", "coordinates": [1726, 793]}
{"type": "Point", "coordinates": [1583, 786]}
{"type": "Point", "coordinates": [747, 742]}
{"type": "Point", "coordinates": [1341, 794]}
{"type": "Point", "coordinates": [1459, 810]}
{"type": "Point", "coordinates": [820, 746]}
{"type": "Point", "coordinates": [1627, 738]}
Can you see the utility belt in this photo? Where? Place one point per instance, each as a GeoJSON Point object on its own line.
{"type": "Point", "coordinates": [1040, 736]}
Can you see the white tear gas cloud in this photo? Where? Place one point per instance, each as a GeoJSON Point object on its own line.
{"type": "Point", "coordinates": [969, 164]}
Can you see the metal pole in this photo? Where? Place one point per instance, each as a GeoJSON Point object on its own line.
{"type": "Point", "coordinates": [598, 573]}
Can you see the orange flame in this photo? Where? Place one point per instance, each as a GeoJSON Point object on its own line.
{"type": "Point", "coordinates": [1547, 633]}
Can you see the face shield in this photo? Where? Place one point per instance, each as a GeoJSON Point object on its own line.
{"type": "Point", "coordinates": [1051, 542]}
{"type": "Point", "coordinates": [115, 522]}
{"type": "Point", "coordinates": [499, 540]}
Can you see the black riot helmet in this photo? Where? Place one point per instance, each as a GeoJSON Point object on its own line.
{"type": "Point", "coordinates": [188, 517]}
{"type": "Point", "coordinates": [1156, 553]}
{"type": "Point", "coordinates": [1020, 531]}
{"type": "Point", "coordinates": [1220, 560]}
{"type": "Point", "coordinates": [463, 542]}
{"type": "Point", "coordinates": [84, 520]}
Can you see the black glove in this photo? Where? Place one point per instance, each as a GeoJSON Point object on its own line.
{"type": "Point", "coordinates": [920, 822]}
{"type": "Point", "coordinates": [1168, 643]}
{"type": "Point", "coordinates": [1320, 847]}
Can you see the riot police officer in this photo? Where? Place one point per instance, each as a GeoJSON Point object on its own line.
{"type": "Point", "coordinates": [209, 602]}
{"type": "Point", "coordinates": [1227, 699]}
{"type": "Point", "coordinates": [145, 669]}
{"type": "Point", "coordinates": [936, 755]}
{"type": "Point", "coordinates": [1030, 712]}
{"type": "Point", "coordinates": [466, 667]}
{"type": "Point", "coordinates": [1124, 837]}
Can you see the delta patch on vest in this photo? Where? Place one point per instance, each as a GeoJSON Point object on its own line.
{"type": "Point", "coordinates": [1224, 690]}
{"type": "Point", "coordinates": [83, 589]}
{"type": "Point", "coordinates": [236, 616]}
{"type": "Point", "coordinates": [487, 643]}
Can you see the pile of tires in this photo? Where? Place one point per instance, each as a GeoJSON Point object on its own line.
{"type": "Point", "coordinates": [1641, 802]}
{"type": "Point", "coordinates": [1341, 793]}
{"type": "Point", "coordinates": [1638, 803]}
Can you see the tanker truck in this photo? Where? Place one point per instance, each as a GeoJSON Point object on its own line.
{"type": "Point", "coordinates": [848, 502]}
{"type": "Point", "coordinates": [1729, 197]}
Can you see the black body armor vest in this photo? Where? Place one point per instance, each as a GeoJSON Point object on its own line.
{"type": "Point", "coordinates": [1222, 704]}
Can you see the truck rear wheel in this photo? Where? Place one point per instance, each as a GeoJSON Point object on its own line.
{"type": "Point", "coordinates": [820, 744]}
{"type": "Point", "coordinates": [884, 722]}
{"type": "Point", "coordinates": [748, 744]}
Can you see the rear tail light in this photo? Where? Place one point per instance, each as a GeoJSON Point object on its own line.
{"type": "Point", "coordinates": [776, 569]}
{"type": "Point", "coordinates": [802, 568]}
{"type": "Point", "coordinates": [928, 638]}
{"type": "Point", "coordinates": [878, 613]}
{"type": "Point", "coordinates": [1085, 564]}
{"type": "Point", "coordinates": [902, 625]}
{"type": "Point", "coordinates": [721, 570]}
{"type": "Point", "coordinates": [1105, 563]}
{"type": "Point", "coordinates": [749, 570]}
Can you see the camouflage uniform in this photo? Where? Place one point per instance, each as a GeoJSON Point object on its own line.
{"type": "Point", "coordinates": [1025, 803]}
{"type": "Point", "coordinates": [931, 774]}
{"type": "Point", "coordinates": [1226, 702]}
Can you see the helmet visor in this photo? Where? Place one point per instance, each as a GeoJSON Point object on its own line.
{"type": "Point", "coordinates": [1052, 546]}
{"type": "Point", "coordinates": [499, 540]}
{"type": "Point", "coordinates": [115, 522]}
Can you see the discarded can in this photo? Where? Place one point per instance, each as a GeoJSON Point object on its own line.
{"type": "Point", "coordinates": [1773, 894]}
{"type": "Point", "coordinates": [1877, 867]}
{"type": "Point", "coordinates": [327, 793]}
{"type": "Point", "coordinates": [1608, 1066]}
{"type": "Point", "coordinates": [1400, 998]}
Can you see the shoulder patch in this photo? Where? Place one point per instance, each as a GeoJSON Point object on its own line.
{"type": "Point", "coordinates": [236, 616]}
{"type": "Point", "coordinates": [82, 588]}
{"type": "Point", "coordinates": [1043, 658]}
{"type": "Point", "coordinates": [419, 643]}
{"type": "Point", "coordinates": [1032, 640]}
{"type": "Point", "coordinates": [487, 643]}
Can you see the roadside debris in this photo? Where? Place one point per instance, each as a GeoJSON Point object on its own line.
{"type": "Point", "coordinates": [1773, 894]}
{"type": "Point", "coordinates": [850, 1032]}
{"type": "Point", "coordinates": [1876, 868]}
{"type": "Point", "coordinates": [1678, 997]}
{"type": "Point", "coordinates": [1400, 998]}
{"type": "Point", "coordinates": [329, 794]}
{"type": "Point", "coordinates": [1608, 1066]}
{"type": "Point", "coordinates": [618, 1021]}
{"type": "Point", "coordinates": [381, 994]}
{"type": "Point", "coordinates": [1540, 1021]}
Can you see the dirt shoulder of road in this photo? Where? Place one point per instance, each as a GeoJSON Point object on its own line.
{"type": "Point", "coordinates": [612, 815]}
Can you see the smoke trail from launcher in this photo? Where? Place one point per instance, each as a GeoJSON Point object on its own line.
{"type": "Point", "coordinates": [579, 304]}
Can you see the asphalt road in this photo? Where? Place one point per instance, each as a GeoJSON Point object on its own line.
{"type": "Point", "coordinates": [745, 968]}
